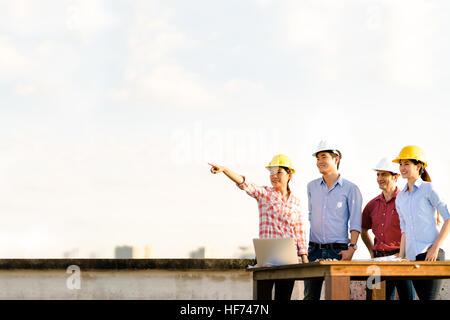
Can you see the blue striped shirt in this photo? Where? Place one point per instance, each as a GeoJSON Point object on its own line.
{"type": "Point", "coordinates": [332, 211]}
{"type": "Point", "coordinates": [417, 212]}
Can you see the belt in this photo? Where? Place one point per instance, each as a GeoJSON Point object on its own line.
{"type": "Point", "coordinates": [378, 253]}
{"type": "Point", "coordinates": [328, 246]}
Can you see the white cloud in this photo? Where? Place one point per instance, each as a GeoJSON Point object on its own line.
{"type": "Point", "coordinates": [389, 42]}
{"type": "Point", "coordinates": [240, 93]}
{"type": "Point", "coordinates": [88, 18]}
{"type": "Point", "coordinates": [408, 54]}
{"type": "Point", "coordinates": [153, 74]}
{"type": "Point", "coordinates": [238, 86]}
{"type": "Point", "coordinates": [154, 34]}
{"type": "Point", "coordinates": [171, 85]}
{"type": "Point", "coordinates": [263, 3]}
{"type": "Point", "coordinates": [12, 60]}
{"type": "Point", "coordinates": [149, 43]}
{"type": "Point", "coordinates": [167, 86]}
{"type": "Point", "coordinates": [311, 24]}
{"type": "Point", "coordinates": [29, 18]}
{"type": "Point", "coordinates": [25, 90]}
{"type": "Point", "coordinates": [46, 69]}
{"type": "Point", "coordinates": [119, 95]}
{"type": "Point", "coordinates": [314, 27]}
{"type": "Point", "coordinates": [150, 74]}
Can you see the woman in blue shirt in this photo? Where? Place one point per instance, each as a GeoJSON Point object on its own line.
{"type": "Point", "coordinates": [416, 205]}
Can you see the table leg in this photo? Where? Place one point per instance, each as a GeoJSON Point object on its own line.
{"type": "Point", "coordinates": [337, 288]}
{"type": "Point", "coordinates": [377, 294]}
{"type": "Point", "coordinates": [262, 289]}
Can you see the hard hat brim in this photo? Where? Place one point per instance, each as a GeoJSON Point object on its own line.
{"type": "Point", "coordinates": [385, 170]}
{"type": "Point", "coordinates": [336, 152]}
{"type": "Point", "coordinates": [292, 170]}
{"type": "Point", "coordinates": [397, 160]}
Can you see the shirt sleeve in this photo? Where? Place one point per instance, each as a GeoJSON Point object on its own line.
{"type": "Point", "coordinates": [301, 247]}
{"type": "Point", "coordinates": [400, 215]}
{"type": "Point", "coordinates": [366, 221]}
{"type": "Point", "coordinates": [437, 203]}
{"type": "Point", "coordinates": [252, 189]}
{"type": "Point", "coordinates": [354, 205]}
{"type": "Point", "coordinates": [309, 202]}
{"type": "Point", "coordinates": [301, 239]}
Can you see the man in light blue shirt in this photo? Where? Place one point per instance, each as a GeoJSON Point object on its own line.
{"type": "Point", "coordinates": [334, 205]}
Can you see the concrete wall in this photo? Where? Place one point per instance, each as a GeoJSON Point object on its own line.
{"type": "Point", "coordinates": [106, 284]}
{"type": "Point", "coordinates": [187, 279]}
{"type": "Point", "coordinates": [126, 279]}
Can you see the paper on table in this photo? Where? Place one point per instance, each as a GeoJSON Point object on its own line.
{"type": "Point", "coordinates": [266, 265]}
{"type": "Point", "coordinates": [388, 258]}
{"type": "Point", "coordinates": [272, 263]}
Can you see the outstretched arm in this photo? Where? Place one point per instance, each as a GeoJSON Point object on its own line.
{"type": "Point", "coordinates": [215, 169]}
{"type": "Point", "coordinates": [249, 187]}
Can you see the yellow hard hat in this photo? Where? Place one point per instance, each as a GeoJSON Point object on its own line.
{"type": "Point", "coordinates": [281, 160]}
{"type": "Point", "coordinates": [413, 153]}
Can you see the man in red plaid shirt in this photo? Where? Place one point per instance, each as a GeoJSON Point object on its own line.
{"type": "Point", "coordinates": [279, 210]}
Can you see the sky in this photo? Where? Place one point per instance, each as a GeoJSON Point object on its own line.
{"type": "Point", "coordinates": [111, 110]}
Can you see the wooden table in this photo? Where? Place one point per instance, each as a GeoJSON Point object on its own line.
{"type": "Point", "coordinates": [337, 275]}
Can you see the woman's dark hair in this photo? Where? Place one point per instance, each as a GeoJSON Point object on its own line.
{"type": "Point", "coordinates": [422, 172]}
{"type": "Point", "coordinates": [288, 172]}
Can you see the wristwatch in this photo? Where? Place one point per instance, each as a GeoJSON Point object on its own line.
{"type": "Point", "coordinates": [354, 246]}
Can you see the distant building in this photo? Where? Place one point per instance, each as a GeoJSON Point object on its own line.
{"type": "Point", "coordinates": [198, 254]}
{"type": "Point", "coordinates": [245, 252]}
{"type": "Point", "coordinates": [203, 252]}
{"type": "Point", "coordinates": [123, 252]}
{"type": "Point", "coordinates": [74, 253]}
{"type": "Point", "coordinates": [129, 252]}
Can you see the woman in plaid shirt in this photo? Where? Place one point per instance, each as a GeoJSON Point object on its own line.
{"type": "Point", "coordinates": [279, 210]}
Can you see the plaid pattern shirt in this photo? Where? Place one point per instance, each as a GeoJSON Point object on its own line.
{"type": "Point", "coordinates": [277, 218]}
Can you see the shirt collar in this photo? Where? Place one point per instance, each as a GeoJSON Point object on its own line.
{"type": "Point", "coordinates": [417, 184]}
{"type": "Point", "coordinates": [278, 193]}
{"type": "Point", "coordinates": [381, 196]}
{"type": "Point", "coordinates": [339, 181]}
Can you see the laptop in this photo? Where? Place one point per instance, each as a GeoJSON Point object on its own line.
{"type": "Point", "coordinates": [275, 252]}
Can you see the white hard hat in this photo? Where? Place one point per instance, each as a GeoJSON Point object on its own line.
{"type": "Point", "coordinates": [325, 146]}
{"type": "Point", "coordinates": [386, 164]}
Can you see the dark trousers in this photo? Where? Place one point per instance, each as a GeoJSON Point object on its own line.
{"type": "Point", "coordinates": [313, 288]}
{"type": "Point", "coordinates": [404, 287]}
{"type": "Point", "coordinates": [283, 289]}
{"type": "Point", "coordinates": [428, 289]}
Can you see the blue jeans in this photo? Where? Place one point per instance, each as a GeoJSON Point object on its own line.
{"type": "Point", "coordinates": [428, 289]}
{"type": "Point", "coordinates": [283, 289]}
{"type": "Point", "coordinates": [404, 287]}
{"type": "Point", "coordinates": [313, 288]}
